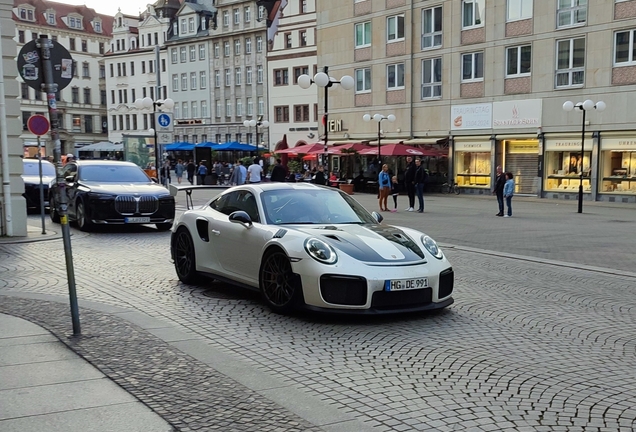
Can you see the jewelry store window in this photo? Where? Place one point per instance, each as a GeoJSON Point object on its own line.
{"type": "Point", "coordinates": [563, 170]}
{"type": "Point", "coordinates": [473, 169]}
{"type": "Point", "coordinates": [618, 171]}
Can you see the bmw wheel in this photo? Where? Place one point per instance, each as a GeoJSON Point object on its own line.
{"type": "Point", "coordinates": [278, 283]}
{"type": "Point", "coordinates": [185, 262]}
{"type": "Point", "coordinates": [83, 221]}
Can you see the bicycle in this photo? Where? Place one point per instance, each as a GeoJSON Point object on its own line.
{"type": "Point", "coordinates": [450, 188]}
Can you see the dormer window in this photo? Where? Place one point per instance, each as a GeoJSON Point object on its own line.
{"type": "Point", "coordinates": [50, 18]}
{"type": "Point", "coordinates": [75, 23]}
{"type": "Point", "coordinates": [27, 14]}
{"type": "Point", "coordinates": [175, 28]}
{"type": "Point", "coordinates": [120, 22]}
{"type": "Point", "coordinates": [202, 23]}
{"type": "Point", "coordinates": [97, 25]}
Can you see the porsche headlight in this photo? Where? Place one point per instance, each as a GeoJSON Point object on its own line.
{"type": "Point", "coordinates": [320, 251]}
{"type": "Point", "coordinates": [431, 247]}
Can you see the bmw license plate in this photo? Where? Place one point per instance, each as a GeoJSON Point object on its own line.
{"type": "Point", "coordinates": [137, 220]}
{"type": "Point", "coordinates": [405, 284]}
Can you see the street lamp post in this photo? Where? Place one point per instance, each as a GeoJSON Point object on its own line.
{"type": "Point", "coordinates": [588, 105]}
{"type": "Point", "coordinates": [379, 118]}
{"type": "Point", "coordinates": [165, 104]}
{"type": "Point", "coordinates": [322, 79]}
{"type": "Point", "coordinates": [255, 124]}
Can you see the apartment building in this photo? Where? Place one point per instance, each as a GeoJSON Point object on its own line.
{"type": "Point", "coordinates": [292, 52]}
{"type": "Point", "coordinates": [489, 78]}
{"type": "Point", "coordinates": [82, 105]}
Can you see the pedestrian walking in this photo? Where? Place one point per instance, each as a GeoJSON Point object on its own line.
{"type": "Point", "coordinates": [165, 173]}
{"type": "Point", "coordinates": [498, 190]}
{"type": "Point", "coordinates": [202, 171]}
{"type": "Point", "coordinates": [420, 181]}
{"type": "Point", "coordinates": [178, 170]}
{"type": "Point", "coordinates": [409, 182]}
{"type": "Point", "coordinates": [384, 183]}
{"type": "Point", "coordinates": [190, 170]}
{"type": "Point", "coordinates": [278, 172]}
{"type": "Point", "coordinates": [508, 192]}
{"type": "Point", "coordinates": [395, 192]}
{"type": "Point", "coordinates": [254, 172]}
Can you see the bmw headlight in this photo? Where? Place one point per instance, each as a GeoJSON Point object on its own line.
{"type": "Point", "coordinates": [320, 251]}
{"type": "Point", "coordinates": [431, 247]}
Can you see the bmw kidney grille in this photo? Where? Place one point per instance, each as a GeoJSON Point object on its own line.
{"type": "Point", "coordinates": [129, 204]}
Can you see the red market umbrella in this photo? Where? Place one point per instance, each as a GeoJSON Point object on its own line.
{"type": "Point", "coordinates": [307, 148]}
{"type": "Point", "coordinates": [397, 150]}
{"type": "Point", "coordinates": [354, 146]}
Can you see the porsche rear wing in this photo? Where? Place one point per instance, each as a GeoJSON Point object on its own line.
{"type": "Point", "coordinates": [174, 190]}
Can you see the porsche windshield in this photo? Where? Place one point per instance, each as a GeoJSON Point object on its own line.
{"type": "Point", "coordinates": [33, 168]}
{"type": "Point", "coordinates": [113, 174]}
{"type": "Point", "coordinates": [317, 206]}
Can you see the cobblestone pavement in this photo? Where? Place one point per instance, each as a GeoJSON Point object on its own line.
{"type": "Point", "coordinates": [526, 346]}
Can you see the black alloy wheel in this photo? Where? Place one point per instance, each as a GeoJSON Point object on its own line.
{"type": "Point", "coordinates": [83, 222]}
{"type": "Point", "coordinates": [184, 257]}
{"type": "Point", "coordinates": [278, 283]}
{"type": "Point", "coordinates": [53, 214]}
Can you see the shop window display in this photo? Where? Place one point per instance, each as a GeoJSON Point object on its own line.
{"type": "Point", "coordinates": [618, 169]}
{"type": "Point", "coordinates": [563, 171]}
{"type": "Point", "coordinates": [473, 169]}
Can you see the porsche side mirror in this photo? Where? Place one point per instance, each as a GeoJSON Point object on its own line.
{"type": "Point", "coordinates": [377, 216]}
{"type": "Point", "coordinates": [241, 217]}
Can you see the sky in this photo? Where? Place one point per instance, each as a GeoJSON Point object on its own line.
{"type": "Point", "coordinates": [129, 7]}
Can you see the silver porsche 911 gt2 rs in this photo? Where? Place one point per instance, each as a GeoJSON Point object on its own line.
{"type": "Point", "coordinates": [309, 246]}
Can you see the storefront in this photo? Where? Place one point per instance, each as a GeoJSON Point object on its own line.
{"type": "Point", "coordinates": [520, 156]}
{"type": "Point", "coordinates": [617, 166]}
{"type": "Point", "coordinates": [562, 161]}
{"type": "Point", "coordinates": [473, 163]}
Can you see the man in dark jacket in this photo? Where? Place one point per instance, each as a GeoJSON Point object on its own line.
{"type": "Point", "coordinates": [190, 169]}
{"type": "Point", "coordinates": [500, 182]}
{"type": "Point", "coordinates": [278, 172]}
{"type": "Point", "coordinates": [409, 181]}
{"type": "Point", "coordinates": [420, 181]}
{"type": "Point", "coordinates": [320, 177]}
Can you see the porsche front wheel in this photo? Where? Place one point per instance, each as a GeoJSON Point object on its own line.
{"type": "Point", "coordinates": [184, 257]}
{"type": "Point", "coordinates": [278, 283]}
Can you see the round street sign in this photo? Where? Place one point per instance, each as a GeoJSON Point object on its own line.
{"type": "Point", "coordinates": [38, 124]}
{"type": "Point", "coordinates": [30, 65]}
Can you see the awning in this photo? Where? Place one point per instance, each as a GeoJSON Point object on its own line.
{"type": "Point", "coordinates": [102, 146]}
{"type": "Point", "coordinates": [179, 146]}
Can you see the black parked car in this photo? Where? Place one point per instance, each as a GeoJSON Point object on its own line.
{"type": "Point", "coordinates": [31, 178]}
{"type": "Point", "coordinates": [113, 193]}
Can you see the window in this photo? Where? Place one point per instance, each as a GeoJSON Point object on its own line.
{"type": "Point", "coordinates": [217, 78]}
{"type": "Point", "coordinates": [50, 18]}
{"type": "Point", "coordinates": [75, 95]}
{"type": "Point", "coordinates": [226, 18]}
{"type": "Point", "coordinates": [112, 97]}
{"type": "Point", "coordinates": [228, 77]}
{"type": "Point", "coordinates": [432, 78]}
{"type": "Point", "coordinates": [395, 28]}
{"type": "Point", "coordinates": [191, 24]}
{"type": "Point", "coordinates": [194, 109]}
{"type": "Point", "coordinates": [77, 123]}
{"type": "Point", "coordinates": [473, 67]}
{"type": "Point", "coordinates": [143, 67]}
{"type": "Point", "coordinates": [519, 10]}
{"type": "Point", "coordinates": [24, 87]}
{"type": "Point", "coordinates": [184, 110]}
{"type": "Point", "coordinates": [177, 112]}
{"type": "Point", "coordinates": [132, 68]}
{"type": "Point", "coordinates": [87, 96]}
{"type": "Point", "coordinates": [184, 81]}
{"type": "Point", "coordinates": [261, 13]}
{"type": "Point", "coordinates": [281, 114]}
{"type": "Point", "coordinates": [472, 13]}
{"type": "Point", "coordinates": [303, 37]}
{"type": "Point", "coordinates": [85, 70]}
{"type": "Point", "coordinates": [363, 80]}
{"type": "Point", "coordinates": [101, 47]}
{"type": "Point", "coordinates": [163, 65]}
{"type": "Point", "coordinates": [25, 120]}
{"type": "Point", "coordinates": [248, 75]}
{"type": "Point", "coordinates": [250, 107]}
{"type": "Point", "coordinates": [102, 97]}
{"type": "Point", "coordinates": [518, 61]}
{"type": "Point", "coordinates": [193, 80]}
{"type": "Point", "coordinates": [123, 69]}
{"type": "Point", "coordinates": [298, 71]}
{"type": "Point", "coordinates": [301, 113]}
{"type": "Point", "coordinates": [259, 44]}
{"type": "Point", "coordinates": [237, 16]}
{"type": "Point", "coordinates": [218, 114]}
{"type": "Point", "coordinates": [288, 40]}
{"type": "Point", "coordinates": [395, 76]}
{"type": "Point", "coordinates": [173, 54]}
{"type": "Point", "coordinates": [204, 110]}
{"type": "Point", "coordinates": [247, 12]}
{"type": "Point", "coordinates": [571, 12]}
{"type": "Point", "coordinates": [74, 68]}
{"type": "Point", "coordinates": [193, 53]}
{"type": "Point", "coordinates": [237, 76]}
{"type": "Point", "coordinates": [363, 34]}
{"type": "Point", "coordinates": [237, 47]}
{"type": "Point", "coordinates": [134, 121]}
{"type": "Point", "coordinates": [132, 95]}
{"type": "Point", "coordinates": [570, 62]}
{"type": "Point", "coordinates": [259, 74]}
{"type": "Point", "coordinates": [75, 23]}
{"type": "Point", "coordinates": [183, 54]}
{"type": "Point", "coordinates": [21, 36]}
{"type": "Point", "coordinates": [201, 51]}
{"type": "Point", "coordinates": [71, 44]}
{"type": "Point", "coordinates": [248, 45]}
{"type": "Point", "coordinates": [84, 46]}
{"type": "Point", "coordinates": [217, 50]}
{"type": "Point", "coordinates": [228, 108]}
{"type": "Point", "coordinates": [432, 27]}
{"type": "Point", "coordinates": [202, 80]}
{"type": "Point", "coordinates": [98, 27]}
{"type": "Point", "coordinates": [261, 106]}
{"type": "Point", "coordinates": [303, 6]}
{"type": "Point", "coordinates": [151, 64]}
{"type": "Point", "coordinates": [184, 26]}
{"type": "Point", "coordinates": [624, 51]}
{"type": "Point", "coordinates": [281, 77]}
{"type": "Point", "coordinates": [102, 71]}
{"type": "Point", "coordinates": [226, 49]}
{"type": "Point", "coordinates": [239, 108]}
{"type": "Point", "coordinates": [88, 123]}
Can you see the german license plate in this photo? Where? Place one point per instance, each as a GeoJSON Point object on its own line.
{"type": "Point", "coordinates": [137, 220]}
{"type": "Point", "coordinates": [405, 284]}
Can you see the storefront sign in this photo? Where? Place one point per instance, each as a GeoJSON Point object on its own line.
{"type": "Point", "coordinates": [618, 144]}
{"type": "Point", "coordinates": [334, 125]}
{"type": "Point", "coordinates": [522, 147]}
{"type": "Point", "coordinates": [516, 114]}
{"type": "Point", "coordinates": [567, 144]}
{"type": "Point", "coordinates": [473, 146]}
{"type": "Point", "coordinates": [477, 116]}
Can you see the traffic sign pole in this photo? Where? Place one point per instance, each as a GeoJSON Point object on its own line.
{"type": "Point", "coordinates": [39, 125]}
{"type": "Point", "coordinates": [41, 186]}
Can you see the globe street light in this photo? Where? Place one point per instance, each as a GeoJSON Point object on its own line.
{"type": "Point", "coordinates": [322, 79]}
{"type": "Point", "coordinates": [379, 118]}
{"type": "Point", "coordinates": [588, 105]}
{"type": "Point", "coordinates": [256, 123]}
{"type": "Point", "coordinates": [162, 105]}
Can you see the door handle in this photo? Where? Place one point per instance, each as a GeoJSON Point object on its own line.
{"type": "Point", "coordinates": [215, 232]}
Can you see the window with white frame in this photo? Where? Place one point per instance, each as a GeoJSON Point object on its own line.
{"type": "Point", "coordinates": [217, 50]}
{"type": "Point", "coordinates": [218, 110]}
{"type": "Point", "coordinates": [202, 80]}
{"type": "Point", "coordinates": [237, 76]}
{"type": "Point", "coordinates": [174, 55]}
{"type": "Point", "coordinates": [239, 108]}
{"type": "Point", "coordinates": [570, 63]}
{"type": "Point", "coordinates": [259, 74]}
{"type": "Point", "coordinates": [50, 19]}
{"type": "Point", "coordinates": [237, 16]}
{"type": "Point", "coordinates": [204, 108]}
{"type": "Point", "coordinates": [432, 78]}
{"type": "Point", "coordinates": [184, 55]}
{"type": "Point", "coordinates": [248, 75]}
{"type": "Point", "coordinates": [261, 105]}
{"type": "Point", "coordinates": [571, 12]}
{"type": "Point", "coordinates": [184, 81]}
{"type": "Point", "coordinates": [518, 10]}
{"type": "Point", "coordinates": [247, 14]}
{"type": "Point", "coordinates": [624, 50]}
{"type": "Point", "coordinates": [518, 61]}
{"type": "Point", "coordinates": [228, 108]}
{"type": "Point", "coordinates": [177, 114]}
{"type": "Point", "coordinates": [217, 78]}
{"type": "Point", "coordinates": [184, 110]}
{"type": "Point", "coordinates": [237, 47]}
{"type": "Point", "coordinates": [261, 13]}
{"type": "Point", "coordinates": [193, 80]}
{"type": "Point", "coordinates": [259, 44]}
{"type": "Point", "coordinates": [226, 48]}
{"type": "Point", "coordinates": [201, 51]}
{"type": "Point", "coordinates": [228, 77]}
{"type": "Point", "coordinates": [194, 109]}
{"type": "Point", "coordinates": [175, 82]}
{"type": "Point", "coordinates": [226, 18]}
{"type": "Point", "coordinates": [395, 28]}
{"type": "Point", "coordinates": [193, 53]}
{"type": "Point", "coordinates": [248, 45]}
{"type": "Point", "coordinates": [250, 107]}
{"type": "Point", "coordinates": [473, 67]}
{"type": "Point", "coordinates": [395, 76]}
{"type": "Point", "coordinates": [184, 26]}
{"type": "Point", "coordinates": [363, 34]}
{"type": "Point", "coordinates": [363, 80]}
{"type": "Point", "coordinates": [473, 13]}
{"type": "Point", "coordinates": [191, 24]}
{"type": "Point", "coordinates": [432, 27]}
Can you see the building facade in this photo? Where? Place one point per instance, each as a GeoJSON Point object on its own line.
{"type": "Point", "coordinates": [490, 77]}
{"type": "Point", "coordinates": [82, 105]}
{"type": "Point", "coordinates": [292, 52]}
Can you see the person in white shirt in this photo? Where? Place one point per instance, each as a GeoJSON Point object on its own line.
{"type": "Point", "coordinates": [254, 172]}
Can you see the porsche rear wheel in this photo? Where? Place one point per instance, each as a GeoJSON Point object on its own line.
{"type": "Point", "coordinates": [278, 283]}
{"type": "Point", "coordinates": [184, 257]}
